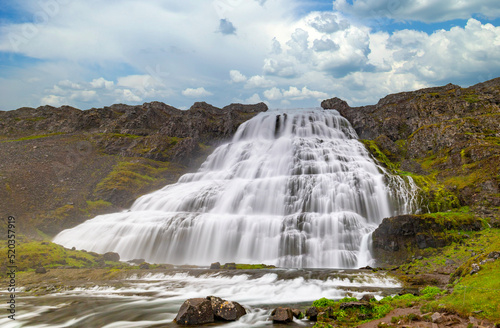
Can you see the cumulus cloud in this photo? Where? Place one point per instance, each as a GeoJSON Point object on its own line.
{"type": "Point", "coordinates": [194, 93]}
{"type": "Point", "coordinates": [328, 23]}
{"type": "Point", "coordinates": [294, 93]}
{"type": "Point", "coordinates": [236, 76]}
{"type": "Point", "coordinates": [423, 10]}
{"type": "Point", "coordinates": [258, 81]}
{"type": "Point", "coordinates": [102, 83]}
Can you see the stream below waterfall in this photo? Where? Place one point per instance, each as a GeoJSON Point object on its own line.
{"type": "Point", "coordinates": [152, 300]}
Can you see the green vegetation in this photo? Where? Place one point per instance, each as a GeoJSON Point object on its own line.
{"type": "Point", "coordinates": [33, 254]}
{"type": "Point", "coordinates": [34, 137]}
{"type": "Point", "coordinates": [349, 312]}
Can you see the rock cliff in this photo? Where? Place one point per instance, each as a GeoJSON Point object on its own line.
{"type": "Point", "coordinates": [61, 166]}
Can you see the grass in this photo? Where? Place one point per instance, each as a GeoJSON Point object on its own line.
{"type": "Point", "coordinates": [34, 137]}
{"type": "Point", "coordinates": [33, 254]}
{"type": "Point", "coordinates": [332, 312]}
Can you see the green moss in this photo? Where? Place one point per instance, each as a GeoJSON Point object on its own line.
{"type": "Point", "coordinates": [378, 154]}
{"type": "Point", "coordinates": [34, 137]}
{"type": "Point", "coordinates": [471, 98]}
{"type": "Point", "coordinates": [33, 254]}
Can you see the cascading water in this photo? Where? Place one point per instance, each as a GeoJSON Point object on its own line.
{"type": "Point", "coordinates": [293, 189]}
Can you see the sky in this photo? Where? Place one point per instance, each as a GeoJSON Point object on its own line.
{"type": "Point", "coordinates": [286, 53]}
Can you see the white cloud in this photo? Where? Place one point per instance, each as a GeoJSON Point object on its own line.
{"type": "Point", "coordinates": [236, 76]}
{"type": "Point", "coordinates": [294, 93]}
{"type": "Point", "coordinates": [102, 83]}
{"type": "Point", "coordinates": [194, 93]}
{"type": "Point", "coordinates": [273, 94]}
{"type": "Point", "coordinates": [52, 100]}
{"type": "Point", "coordinates": [126, 95]}
{"type": "Point", "coordinates": [253, 99]}
{"type": "Point", "coordinates": [258, 81]}
{"type": "Point", "coordinates": [423, 10]}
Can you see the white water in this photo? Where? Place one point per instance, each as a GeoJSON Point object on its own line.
{"type": "Point", "coordinates": [154, 300]}
{"type": "Point", "coordinates": [292, 189]}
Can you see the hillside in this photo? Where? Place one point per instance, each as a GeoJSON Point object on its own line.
{"type": "Point", "coordinates": [61, 166]}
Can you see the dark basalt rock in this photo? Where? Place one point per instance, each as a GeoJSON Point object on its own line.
{"type": "Point", "coordinates": [111, 256]}
{"type": "Point", "coordinates": [226, 310]}
{"type": "Point", "coordinates": [215, 266]}
{"type": "Point", "coordinates": [195, 311]}
{"type": "Point", "coordinates": [282, 315]}
{"type": "Point", "coordinates": [312, 314]}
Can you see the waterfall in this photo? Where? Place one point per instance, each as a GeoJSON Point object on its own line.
{"type": "Point", "coordinates": [293, 189]}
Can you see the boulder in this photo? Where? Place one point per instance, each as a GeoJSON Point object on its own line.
{"type": "Point", "coordinates": [230, 266]}
{"type": "Point", "coordinates": [312, 314]}
{"type": "Point", "coordinates": [144, 266]}
{"type": "Point", "coordinates": [226, 310]}
{"type": "Point", "coordinates": [215, 266]}
{"type": "Point", "coordinates": [41, 270]}
{"type": "Point", "coordinates": [195, 311]}
{"type": "Point", "coordinates": [282, 315]}
{"type": "Point", "coordinates": [297, 313]}
{"type": "Point", "coordinates": [367, 297]}
{"type": "Point", "coordinates": [111, 256]}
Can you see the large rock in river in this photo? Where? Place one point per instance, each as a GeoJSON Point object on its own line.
{"type": "Point", "coordinates": [226, 310]}
{"type": "Point", "coordinates": [195, 311]}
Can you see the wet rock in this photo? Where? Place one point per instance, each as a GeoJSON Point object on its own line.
{"type": "Point", "coordinates": [195, 311]}
{"type": "Point", "coordinates": [367, 297]}
{"type": "Point", "coordinates": [312, 314]}
{"type": "Point", "coordinates": [230, 266]}
{"type": "Point", "coordinates": [297, 313]}
{"type": "Point", "coordinates": [41, 270]}
{"type": "Point", "coordinates": [215, 266]}
{"type": "Point", "coordinates": [144, 266]}
{"type": "Point", "coordinates": [282, 315]}
{"type": "Point", "coordinates": [137, 261]}
{"type": "Point", "coordinates": [111, 256]}
{"type": "Point", "coordinates": [226, 310]}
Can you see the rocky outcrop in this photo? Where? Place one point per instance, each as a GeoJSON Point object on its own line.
{"type": "Point", "coordinates": [449, 133]}
{"type": "Point", "coordinates": [61, 166]}
{"type": "Point", "coordinates": [399, 237]}
{"type": "Point", "coordinates": [199, 311]}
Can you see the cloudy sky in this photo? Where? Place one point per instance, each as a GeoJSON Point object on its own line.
{"type": "Point", "coordinates": [287, 53]}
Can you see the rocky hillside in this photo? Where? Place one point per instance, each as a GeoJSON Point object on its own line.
{"type": "Point", "coordinates": [61, 166]}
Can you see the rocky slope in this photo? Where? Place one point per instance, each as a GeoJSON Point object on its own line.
{"type": "Point", "coordinates": [61, 166]}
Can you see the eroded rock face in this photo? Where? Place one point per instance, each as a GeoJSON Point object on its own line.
{"type": "Point", "coordinates": [395, 235]}
{"type": "Point", "coordinates": [195, 311]}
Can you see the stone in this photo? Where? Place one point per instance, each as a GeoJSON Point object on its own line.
{"type": "Point", "coordinates": [475, 268]}
{"type": "Point", "coordinates": [144, 266]}
{"type": "Point", "coordinates": [137, 261]}
{"type": "Point", "coordinates": [367, 297]}
{"type": "Point", "coordinates": [195, 311]}
{"type": "Point", "coordinates": [437, 317]}
{"type": "Point", "coordinates": [312, 314]}
{"type": "Point", "coordinates": [111, 256]}
{"type": "Point", "coordinates": [215, 266]}
{"type": "Point", "coordinates": [226, 310]}
{"type": "Point", "coordinates": [282, 315]}
{"type": "Point", "coordinates": [494, 255]}
{"type": "Point", "coordinates": [41, 270]}
{"type": "Point", "coordinates": [230, 266]}
{"type": "Point", "coordinates": [297, 313]}
{"type": "Point", "coordinates": [449, 262]}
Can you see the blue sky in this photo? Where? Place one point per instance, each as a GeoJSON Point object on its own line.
{"type": "Point", "coordinates": [287, 53]}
